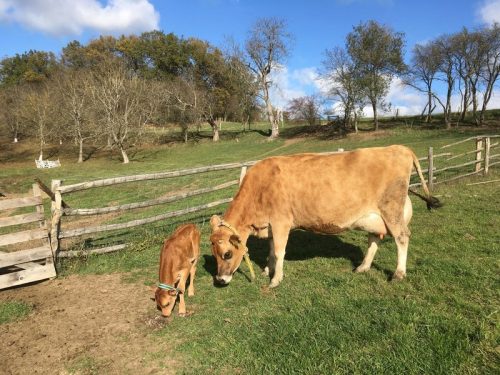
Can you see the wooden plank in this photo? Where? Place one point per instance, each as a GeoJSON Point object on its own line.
{"type": "Point", "coordinates": [484, 182]}
{"type": "Point", "coordinates": [24, 256]}
{"type": "Point", "coordinates": [487, 146]}
{"type": "Point", "coordinates": [134, 223]}
{"type": "Point", "coordinates": [21, 219]}
{"type": "Point", "coordinates": [455, 166]}
{"type": "Point", "coordinates": [102, 250]}
{"type": "Point", "coordinates": [468, 139]}
{"type": "Point", "coordinates": [151, 176]}
{"type": "Point", "coordinates": [430, 176]}
{"type": "Point", "coordinates": [8, 204]}
{"type": "Point", "coordinates": [27, 235]}
{"type": "Point", "coordinates": [479, 148]}
{"type": "Point", "coordinates": [153, 202]}
{"type": "Point", "coordinates": [458, 177]}
{"type": "Point", "coordinates": [424, 158]}
{"type": "Point", "coordinates": [47, 191]}
{"type": "Point", "coordinates": [27, 276]}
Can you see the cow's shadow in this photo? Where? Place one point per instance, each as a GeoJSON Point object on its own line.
{"type": "Point", "coordinates": [302, 245]}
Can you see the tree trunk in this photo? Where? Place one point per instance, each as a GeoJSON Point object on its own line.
{"type": "Point", "coordinates": [275, 132]}
{"type": "Point", "coordinates": [215, 129]}
{"type": "Point", "coordinates": [80, 152]}
{"type": "Point", "coordinates": [429, 110]}
{"type": "Point", "coordinates": [375, 116]}
{"type": "Point", "coordinates": [124, 155]}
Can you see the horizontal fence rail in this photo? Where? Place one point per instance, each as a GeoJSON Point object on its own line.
{"type": "Point", "coordinates": [482, 162]}
{"type": "Point", "coordinates": [152, 176]}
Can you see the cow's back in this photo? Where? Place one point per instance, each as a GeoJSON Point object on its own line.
{"type": "Point", "coordinates": [315, 189]}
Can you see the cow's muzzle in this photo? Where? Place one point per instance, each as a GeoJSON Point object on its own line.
{"type": "Point", "coordinates": [223, 280]}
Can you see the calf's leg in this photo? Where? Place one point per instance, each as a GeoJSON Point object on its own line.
{"type": "Point", "coordinates": [192, 273]}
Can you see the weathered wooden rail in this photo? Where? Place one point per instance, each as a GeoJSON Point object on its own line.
{"type": "Point", "coordinates": [481, 163]}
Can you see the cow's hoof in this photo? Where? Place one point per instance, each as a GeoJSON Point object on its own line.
{"type": "Point", "coordinates": [362, 268]}
{"type": "Point", "coordinates": [190, 294]}
{"type": "Point", "coordinates": [186, 314]}
{"type": "Point", "coordinates": [266, 271]}
{"type": "Point", "coordinates": [273, 284]}
{"type": "Point", "coordinates": [398, 276]}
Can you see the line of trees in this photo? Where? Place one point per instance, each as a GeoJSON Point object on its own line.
{"type": "Point", "coordinates": [107, 91]}
{"type": "Point", "coordinates": [466, 63]}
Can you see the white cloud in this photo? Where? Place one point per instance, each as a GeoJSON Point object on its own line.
{"type": "Point", "coordinates": [62, 17]}
{"type": "Point", "coordinates": [489, 12]}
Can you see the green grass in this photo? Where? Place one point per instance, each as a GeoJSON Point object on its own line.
{"type": "Point", "coordinates": [13, 310]}
{"type": "Point", "coordinates": [323, 318]}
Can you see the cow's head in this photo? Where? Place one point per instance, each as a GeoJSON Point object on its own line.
{"type": "Point", "coordinates": [227, 249]}
{"type": "Point", "coordinates": [165, 299]}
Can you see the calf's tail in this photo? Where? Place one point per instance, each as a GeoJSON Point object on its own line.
{"type": "Point", "coordinates": [432, 202]}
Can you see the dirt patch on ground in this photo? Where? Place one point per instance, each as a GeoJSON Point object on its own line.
{"type": "Point", "coordinates": [95, 324]}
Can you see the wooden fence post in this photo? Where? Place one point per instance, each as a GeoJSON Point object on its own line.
{"type": "Point", "coordinates": [487, 146]}
{"type": "Point", "coordinates": [430, 159]}
{"type": "Point", "coordinates": [243, 173]}
{"type": "Point", "coordinates": [479, 148]}
{"type": "Point", "coordinates": [56, 209]}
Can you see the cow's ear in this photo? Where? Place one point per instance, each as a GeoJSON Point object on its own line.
{"type": "Point", "coordinates": [214, 222]}
{"type": "Point", "coordinates": [172, 293]}
{"type": "Point", "coordinates": [235, 240]}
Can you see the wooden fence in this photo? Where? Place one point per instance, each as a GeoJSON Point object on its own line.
{"type": "Point", "coordinates": [20, 266]}
{"type": "Point", "coordinates": [434, 165]}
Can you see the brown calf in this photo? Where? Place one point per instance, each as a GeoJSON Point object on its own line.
{"type": "Point", "coordinates": [178, 259]}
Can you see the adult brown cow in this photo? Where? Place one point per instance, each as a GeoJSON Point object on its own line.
{"type": "Point", "coordinates": [365, 189]}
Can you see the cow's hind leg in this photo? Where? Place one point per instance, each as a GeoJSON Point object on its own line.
{"type": "Point", "coordinates": [373, 242]}
{"type": "Point", "coordinates": [192, 274]}
{"type": "Point", "coordinates": [280, 238]}
{"type": "Point", "coordinates": [395, 207]}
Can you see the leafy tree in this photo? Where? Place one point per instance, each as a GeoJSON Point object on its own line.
{"type": "Point", "coordinates": [30, 67]}
{"type": "Point", "coordinates": [377, 53]}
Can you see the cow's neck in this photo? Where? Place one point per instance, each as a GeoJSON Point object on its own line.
{"type": "Point", "coordinates": [236, 220]}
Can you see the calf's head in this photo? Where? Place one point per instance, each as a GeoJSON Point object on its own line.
{"type": "Point", "coordinates": [165, 299]}
{"type": "Point", "coordinates": [227, 249]}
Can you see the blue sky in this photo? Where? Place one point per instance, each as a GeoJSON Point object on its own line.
{"type": "Point", "coordinates": [315, 24]}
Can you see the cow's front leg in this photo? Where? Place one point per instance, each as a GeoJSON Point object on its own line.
{"type": "Point", "coordinates": [280, 238]}
{"type": "Point", "coordinates": [182, 287]}
{"type": "Point", "coordinates": [271, 260]}
{"type": "Point", "coordinates": [373, 242]}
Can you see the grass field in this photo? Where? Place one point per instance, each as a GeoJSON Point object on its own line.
{"type": "Point", "coordinates": [323, 318]}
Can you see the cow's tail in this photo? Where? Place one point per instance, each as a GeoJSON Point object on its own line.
{"type": "Point", "coordinates": [432, 202]}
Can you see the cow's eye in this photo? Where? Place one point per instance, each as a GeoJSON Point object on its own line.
{"type": "Point", "coordinates": [227, 255]}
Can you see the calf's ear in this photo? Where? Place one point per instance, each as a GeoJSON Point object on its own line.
{"type": "Point", "coordinates": [214, 222]}
{"type": "Point", "coordinates": [235, 240]}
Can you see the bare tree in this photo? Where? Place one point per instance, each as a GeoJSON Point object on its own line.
{"type": "Point", "coordinates": [11, 102]}
{"type": "Point", "coordinates": [305, 108]}
{"type": "Point", "coordinates": [491, 67]}
{"type": "Point", "coordinates": [38, 111]}
{"type": "Point", "coordinates": [446, 74]}
{"type": "Point", "coordinates": [426, 62]}
{"type": "Point", "coordinates": [267, 46]}
{"type": "Point", "coordinates": [345, 85]}
{"type": "Point", "coordinates": [75, 93]}
{"type": "Point", "coordinates": [118, 94]}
